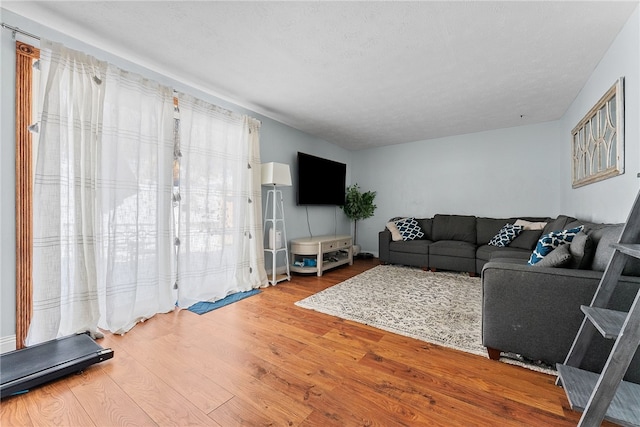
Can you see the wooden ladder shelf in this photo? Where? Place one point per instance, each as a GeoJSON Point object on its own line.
{"type": "Point", "coordinates": [606, 395]}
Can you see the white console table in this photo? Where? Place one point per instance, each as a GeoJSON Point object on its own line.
{"type": "Point", "coordinates": [328, 252]}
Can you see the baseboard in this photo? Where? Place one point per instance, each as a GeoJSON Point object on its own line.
{"type": "Point", "coordinates": [7, 343]}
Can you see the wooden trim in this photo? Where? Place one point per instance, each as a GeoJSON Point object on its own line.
{"type": "Point", "coordinates": [24, 190]}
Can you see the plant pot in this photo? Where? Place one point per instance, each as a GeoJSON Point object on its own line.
{"type": "Point", "coordinates": [356, 250]}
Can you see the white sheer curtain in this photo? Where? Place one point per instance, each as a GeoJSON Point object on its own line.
{"type": "Point", "coordinates": [102, 193]}
{"type": "Point", "coordinates": [220, 231]}
{"type": "Point", "coordinates": [65, 292]}
{"type": "Point", "coordinates": [133, 201]}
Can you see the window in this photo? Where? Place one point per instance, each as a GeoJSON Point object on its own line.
{"type": "Point", "coordinates": [598, 140]}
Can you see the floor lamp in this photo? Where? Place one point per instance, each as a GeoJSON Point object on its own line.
{"type": "Point", "coordinates": [273, 176]}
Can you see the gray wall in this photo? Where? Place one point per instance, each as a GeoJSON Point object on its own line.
{"type": "Point", "coordinates": [501, 173]}
{"type": "Point", "coordinates": [609, 200]}
{"type": "Point", "coordinates": [280, 143]}
{"type": "Point", "coordinates": [508, 172]}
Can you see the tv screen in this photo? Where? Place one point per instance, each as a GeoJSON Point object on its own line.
{"type": "Point", "coordinates": [320, 181]}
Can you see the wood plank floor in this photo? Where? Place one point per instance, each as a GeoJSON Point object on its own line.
{"type": "Point", "coordinates": [265, 362]}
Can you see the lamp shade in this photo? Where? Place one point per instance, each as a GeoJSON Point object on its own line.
{"type": "Point", "coordinates": [276, 174]}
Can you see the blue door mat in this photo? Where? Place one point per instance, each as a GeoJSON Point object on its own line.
{"type": "Point", "coordinates": [203, 307]}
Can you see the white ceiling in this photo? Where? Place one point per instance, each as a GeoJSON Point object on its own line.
{"type": "Point", "coordinates": [361, 74]}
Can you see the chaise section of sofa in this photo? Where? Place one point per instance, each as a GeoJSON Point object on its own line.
{"type": "Point", "coordinates": [535, 311]}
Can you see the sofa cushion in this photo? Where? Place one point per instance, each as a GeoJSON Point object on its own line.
{"type": "Point", "coordinates": [453, 248]}
{"type": "Point", "coordinates": [506, 235]}
{"type": "Point", "coordinates": [559, 257]}
{"type": "Point", "coordinates": [582, 251]}
{"type": "Point", "coordinates": [527, 239]}
{"type": "Point", "coordinates": [486, 252]}
{"type": "Point", "coordinates": [548, 242]}
{"type": "Point", "coordinates": [560, 223]}
{"type": "Point", "coordinates": [454, 227]}
{"type": "Point", "coordinates": [425, 224]}
{"type": "Point", "coordinates": [417, 246]}
{"type": "Point", "coordinates": [604, 237]}
{"type": "Point", "coordinates": [409, 229]}
{"type": "Point", "coordinates": [487, 228]}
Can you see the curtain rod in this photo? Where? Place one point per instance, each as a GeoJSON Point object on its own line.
{"type": "Point", "coordinates": [18, 30]}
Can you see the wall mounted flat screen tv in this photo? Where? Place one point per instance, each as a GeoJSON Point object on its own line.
{"type": "Point", "coordinates": [320, 181]}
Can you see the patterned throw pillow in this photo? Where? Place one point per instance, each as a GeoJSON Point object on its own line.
{"type": "Point", "coordinates": [409, 229]}
{"type": "Point", "coordinates": [506, 235]}
{"type": "Point", "coordinates": [552, 240]}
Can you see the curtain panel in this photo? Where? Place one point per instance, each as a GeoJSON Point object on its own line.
{"type": "Point", "coordinates": [102, 190]}
{"type": "Point", "coordinates": [220, 245]}
{"type": "Point", "coordinates": [133, 201]}
{"type": "Point", "coordinates": [65, 292]}
{"type": "Point", "coordinates": [136, 209]}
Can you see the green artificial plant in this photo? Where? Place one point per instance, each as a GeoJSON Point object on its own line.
{"type": "Point", "coordinates": [358, 206]}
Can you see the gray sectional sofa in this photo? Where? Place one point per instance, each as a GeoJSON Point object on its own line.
{"type": "Point", "coordinates": [460, 242]}
{"type": "Point", "coordinates": [532, 311]}
{"type": "Point", "coordinates": [535, 311]}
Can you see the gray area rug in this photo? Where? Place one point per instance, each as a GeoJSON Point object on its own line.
{"type": "Point", "coordinates": [441, 308]}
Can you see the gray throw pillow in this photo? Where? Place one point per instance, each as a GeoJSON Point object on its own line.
{"type": "Point", "coordinates": [559, 257]}
{"type": "Point", "coordinates": [604, 237]}
{"type": "Point", "coordinates": [582, 250]}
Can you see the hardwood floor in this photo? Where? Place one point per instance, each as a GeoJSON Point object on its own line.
{"type": "Point", "coordinates": [265, 362]}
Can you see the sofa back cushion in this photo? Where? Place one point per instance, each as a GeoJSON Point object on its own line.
{"type": "Point", "coordinates": [527, 239]}
{"type": "Point", "coordinates": [454, 227]}
{"type": "Point", "coordinates": [603, 236]}
{"type": "Point", "coordinates": [582, 250]}
{"type": "Point", "coordinates": [487, 228]}
{"type": "Point", "coordinates": [426, 225]}
{"type": "Point", "coordinates": [558, 224]}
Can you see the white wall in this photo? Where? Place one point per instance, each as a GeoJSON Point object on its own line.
{"type": "Point", "coordinates": [509, 172]}
{"type": "Point", "coordinates": [279, 143]}
{"type": "Point", "coordinates": [609, 200]}
{"type": "Point", "coordinates": [500, 173]}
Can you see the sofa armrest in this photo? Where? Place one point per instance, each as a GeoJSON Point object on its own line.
{"type": "Point", "coordinates": [535, 311]}
{"type": "Point", "coordinates": [384, 242]}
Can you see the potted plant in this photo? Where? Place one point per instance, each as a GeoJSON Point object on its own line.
{"type": "Point", "coordinates": [358, 206]}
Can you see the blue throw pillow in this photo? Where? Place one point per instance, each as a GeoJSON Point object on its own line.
{"type": "Point", "coordinates": [506, 235]}
{"type": "Point", "coordinates": [409, 229]}
{"type": "Point", "coordinates": [552, 240]}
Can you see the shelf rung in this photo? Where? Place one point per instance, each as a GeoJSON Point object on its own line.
{"type": "Point", "coordinates": [630, 249]}
{"type": "Point", "coordinates": [579, 384]}
{"type": "Point", "coordinates": [607, 322]}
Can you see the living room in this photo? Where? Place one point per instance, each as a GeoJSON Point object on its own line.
{"type": "Point", "coordinates": [519, 170]}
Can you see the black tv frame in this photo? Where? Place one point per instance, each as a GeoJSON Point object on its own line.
{"type": "Point", "coordinates": [320, 181]}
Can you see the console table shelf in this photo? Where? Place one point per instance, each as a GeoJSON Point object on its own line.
{"type": "Point", "coordinates": [327, 252]}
